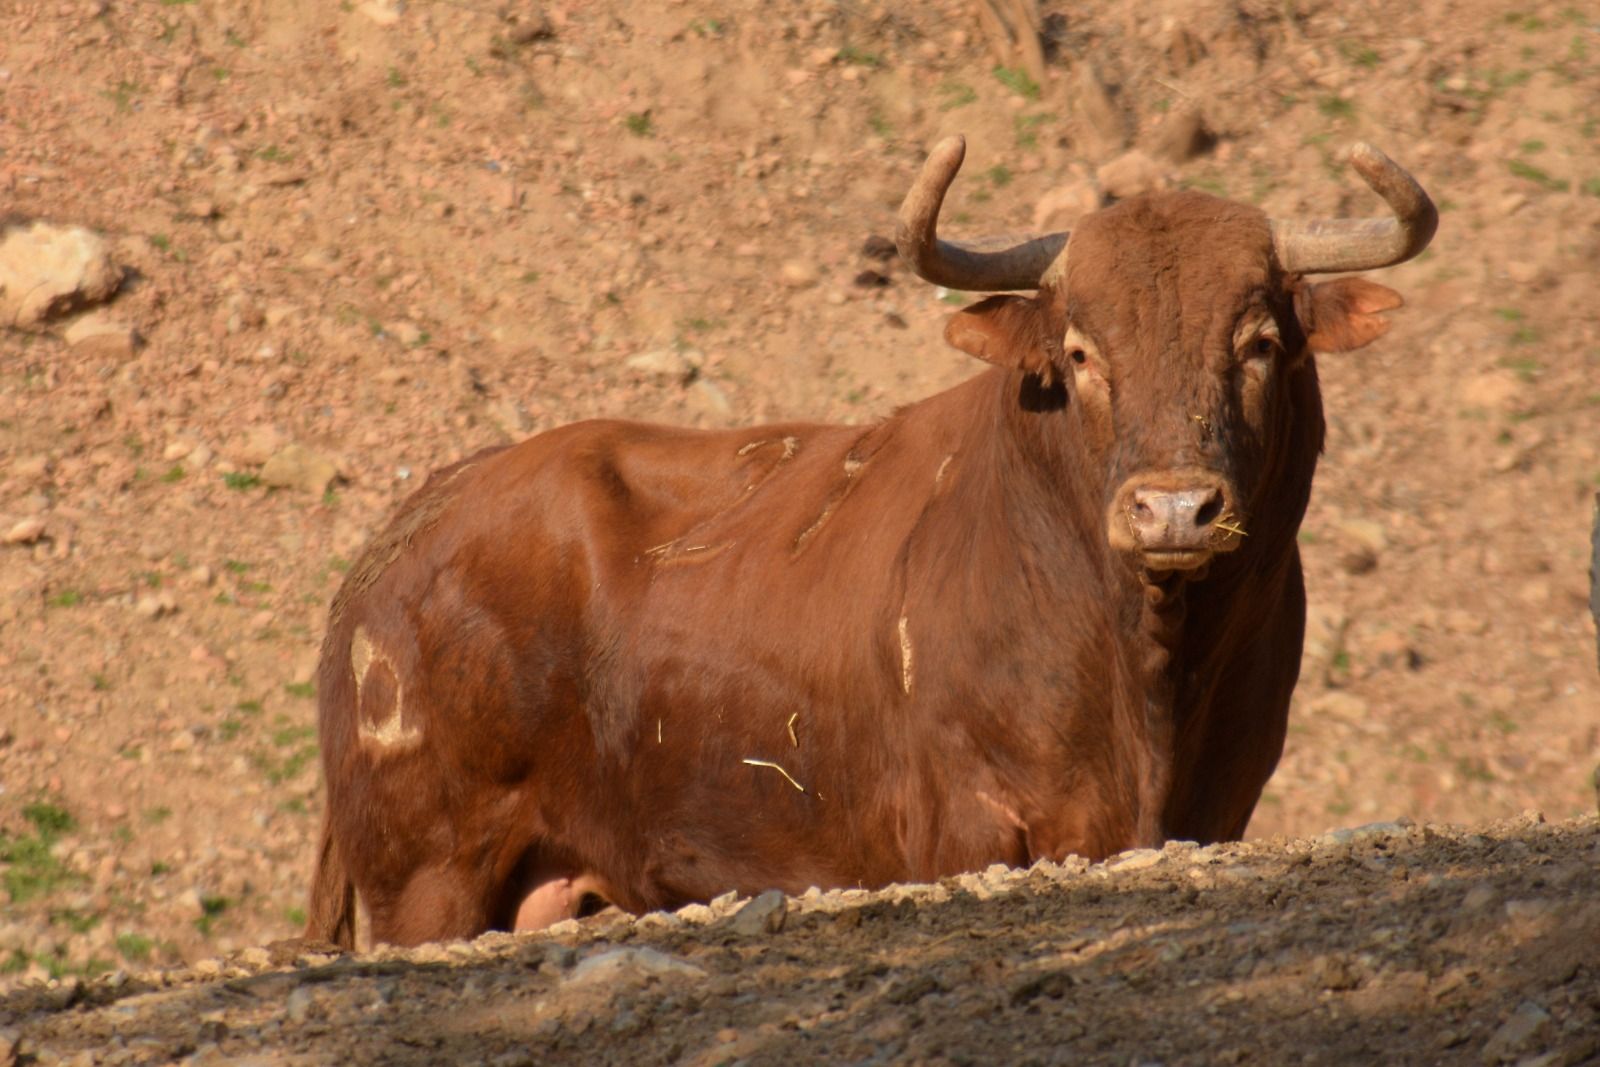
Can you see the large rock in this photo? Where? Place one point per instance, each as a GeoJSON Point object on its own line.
{"type": "Point", "coordinates": [47, 271]}
{"type": "Point", "coordinates": [1063, 206]}
{"type": "Point", "coordinates": [1131, 174]}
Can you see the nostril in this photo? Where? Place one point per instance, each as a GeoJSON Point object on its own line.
{"type": "Point", "coordinates": [1142, 512]}
{"type": "Point", "coordinates": [1210, 510]}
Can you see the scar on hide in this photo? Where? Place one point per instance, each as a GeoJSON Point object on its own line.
{"type": "Point", "coordinates": [791, 445]}
{"type": "Point", "coordinates": [1005, 811]}
{"type": "Point", "coordinates": [674, 552]}
{"type": "Point", "coordinates": [852, 466]}
{"type": "Point", "coordinates": [416, 515]}
{"type": "Point", "coordinates": [379, 699]}
{"type": "Point", "coordinates": [682, 549]}
{"type": "Point", "coordinates": [905, 654]}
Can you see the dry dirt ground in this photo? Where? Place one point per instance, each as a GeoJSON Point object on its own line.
{"type": "Point", "coordinates": [363, 239]}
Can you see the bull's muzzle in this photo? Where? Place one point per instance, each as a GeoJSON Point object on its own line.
{"type": "Point", "coordinates": [1174, 521]}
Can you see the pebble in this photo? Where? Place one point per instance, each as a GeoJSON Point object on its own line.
{"type": "Point", "coordinates": [298, 467]}
{"type": "Point", "coordinates": [1135, 859]}
{"type": "Point", "coordinates": [666, 364]}
{"type": "Point", "coordinates": [764, 914]}
{"type": "Point", "coordinates": [26, 531]}
{"type": "Point", "coordinates": [97, 336]}
{"type": "Point", "coordinates": [614, 964]}
{"type": "Point", "coordinates": [155, 605]}
{"type": "Point", "coordinates": [797, 274]}
{"type": "Point", "coordinates": [297, 1007]}
{"type": "Point", "coordinates": [1517, 1034]}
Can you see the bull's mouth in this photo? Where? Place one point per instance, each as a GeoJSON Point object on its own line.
{"type": "Point", "coordinates": [1161, 567]}
{"type": "Point", "coordinates": [1175, 559]}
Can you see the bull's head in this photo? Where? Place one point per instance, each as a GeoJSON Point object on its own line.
{"type": "Point", "coordinates": [1175, 328]}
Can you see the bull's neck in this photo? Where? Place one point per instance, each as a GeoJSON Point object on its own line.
{"type": "Point", "coordinates": [1055, 507]}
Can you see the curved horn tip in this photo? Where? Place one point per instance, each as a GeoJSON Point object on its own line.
{"type": "Point", "coordinates": [950, 150]}
{"type": "Point", "coordinates": [1367, 152]}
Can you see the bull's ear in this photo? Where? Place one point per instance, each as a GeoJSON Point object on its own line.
{"type": "Point", "coordinates": [1344, 314]}
{"type": "Point", "coordinates": [1008, 331]}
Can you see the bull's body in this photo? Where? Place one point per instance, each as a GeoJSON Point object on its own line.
{"type": "Point", "coordinates": [1019, 619]}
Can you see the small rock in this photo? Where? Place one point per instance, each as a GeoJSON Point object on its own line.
{"type": "Point", "coordinates": [1338, 704]}
{"type": "Point", "coordinates": [635, 962]}
{"type": "Point", "coordinates": [530, 26]}
{"type": "Point", "coordinates": [1495, 390]}
{"type": "Point", "coordinates": [709, 397]}
{"type": "Point", "coordinates": [1527, 1025]}
{"type": "Point", "coordinates": [101, 337]}
{"type": "Point", "coordinates": [1064, 205]}
{"type": "Point", "coordinates": [666, 364]}
{"type": "Point", "coordinates": [879, 248]}
{"type": "Point", "coordinates": [299, 1004]}
{"type": "Point", "coordinates": [26, 531]}
{"type": "Point", "coordinates": [763, 915]}
{"type": "Point", "coordinates": [797, 274]}
{"type": "Point", "coordinates": [383, 12]}
{"type": "Point", "coordinates": [1135, 859]}
{"type": "Point", "coordinates": [1182, 137]}
{"type": "Point", "coordinates": [48, 270]}
{"type": "Point", "coordinates": [1348, 834]}
{"type": "Point", "coordinates": [259, 445]}
{"type": "Point", "coordinates": [1335, 972]}
{"type": "Point", "coordinates": [1364, 542]}
{"type": "Point", "coordinates": [255, 956]}
{"type": "Point", "coordinates": [698, 914]}
{"type": "Point", "coordinates": [297, 467]}
{"type": "Point", "coordinates": [407, 333]}
{"type": "Point", "coordinates": [31, 470]}
{"type": "Point", "coordinates": [1130, 174]}
{"type": "Point", "coordinates": [155, 605]}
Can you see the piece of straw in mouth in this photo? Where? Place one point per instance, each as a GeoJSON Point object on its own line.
{"type": "Point", "coordinates": [768, 763]}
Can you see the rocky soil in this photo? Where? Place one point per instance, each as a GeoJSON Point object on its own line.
{"type": "Point", "coordinates": [1386, 943]}
{"type": "Point", "coordinates": [303, 252]}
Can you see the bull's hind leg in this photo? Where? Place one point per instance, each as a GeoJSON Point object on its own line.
{"type": "Point", "coordinates": [436, 904]}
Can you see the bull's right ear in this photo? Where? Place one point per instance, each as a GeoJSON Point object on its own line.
{"type": "Point", "coordinates": [1007, 330]}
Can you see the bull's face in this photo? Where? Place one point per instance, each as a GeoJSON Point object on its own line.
{"type": "Point", "coordinates": [1176, 330]}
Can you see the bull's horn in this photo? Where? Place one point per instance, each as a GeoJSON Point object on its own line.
{"type": "Point", "coordinates": [1323, 245]}
{"type": "Point", "coordinates": [988, 264]}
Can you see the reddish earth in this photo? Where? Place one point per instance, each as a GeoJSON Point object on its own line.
{"type": "Point", "coordinates": [392, 234]}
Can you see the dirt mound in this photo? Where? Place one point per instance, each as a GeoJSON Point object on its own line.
{"type": "Point", "coordinates": [1386, 942]}
{"type": "Point", "coordinates": [358, 241]}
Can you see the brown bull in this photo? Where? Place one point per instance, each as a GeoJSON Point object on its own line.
{"type": "Point", "coordinates": [1056, 609]}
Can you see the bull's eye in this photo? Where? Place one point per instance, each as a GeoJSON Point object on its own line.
{"type": "Point", "coordinates": [1078, 356]}
{"type": "Point", "coordinates": [1264, 347]}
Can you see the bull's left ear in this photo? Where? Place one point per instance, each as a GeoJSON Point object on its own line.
{"type": "Point", "coordinates": [1343, 314]}
{"type": "Point", "coordinates": [1008, 331]}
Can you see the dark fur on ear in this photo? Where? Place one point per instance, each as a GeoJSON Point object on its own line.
{"type": "Point", "coordinates": [1008, 331]}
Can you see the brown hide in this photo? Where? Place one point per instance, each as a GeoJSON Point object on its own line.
{"type": "Point", "coordinates": [676, 662]}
